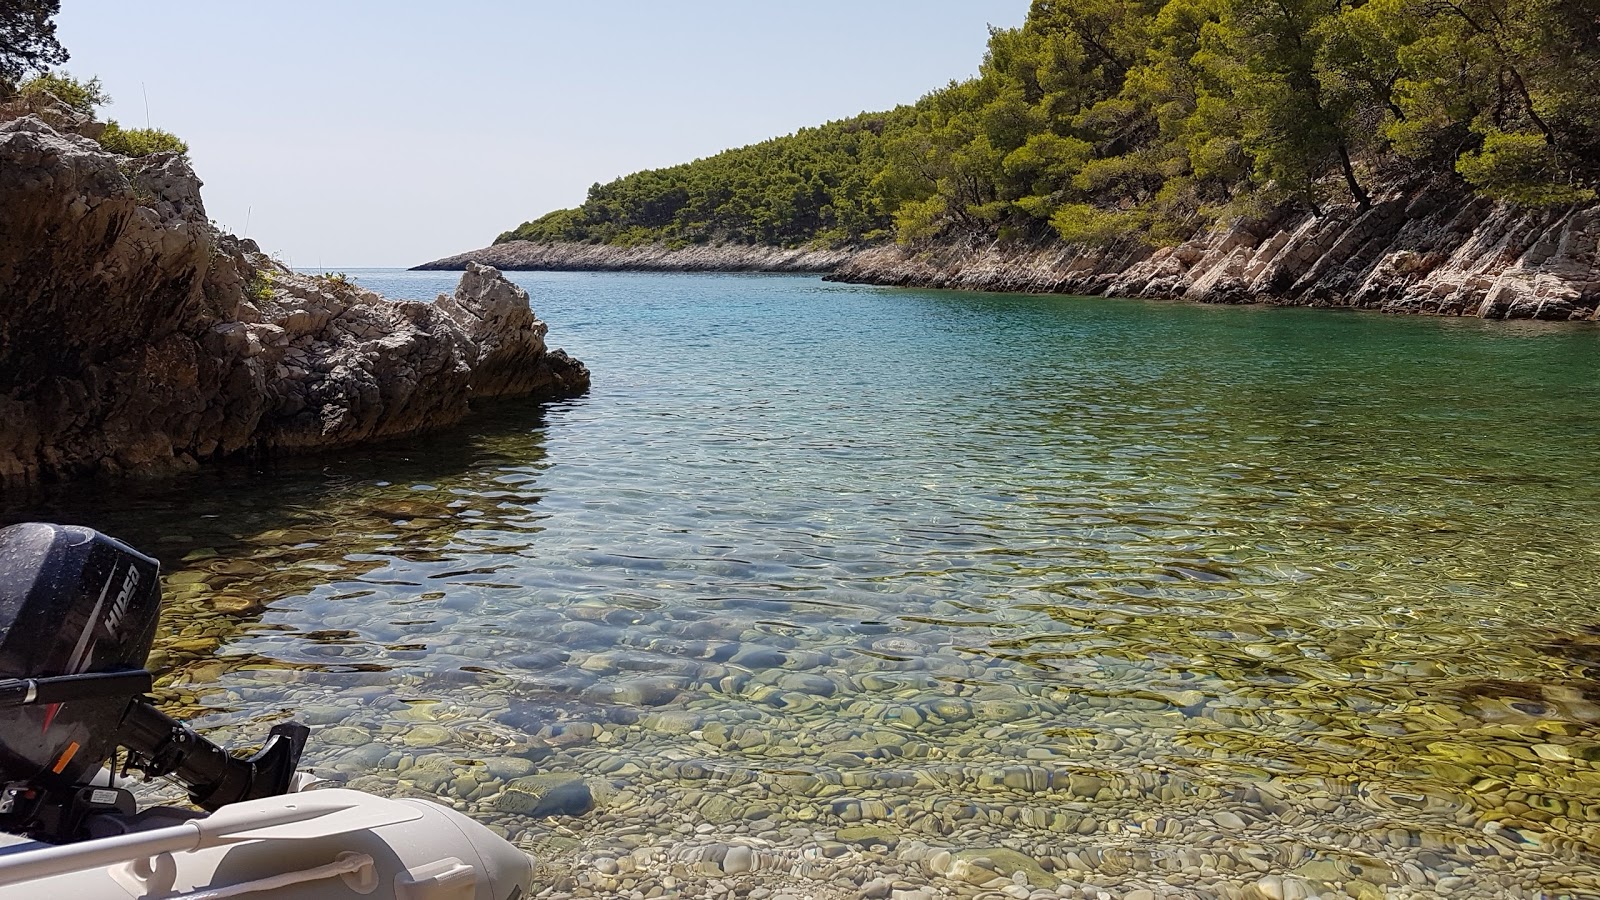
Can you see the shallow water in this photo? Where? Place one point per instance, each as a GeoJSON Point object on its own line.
{"type": "Point", "coordinates": [1205, 601]}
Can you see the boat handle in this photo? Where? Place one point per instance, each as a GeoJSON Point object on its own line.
{"type": "Point", "coordinates": [357, 870]}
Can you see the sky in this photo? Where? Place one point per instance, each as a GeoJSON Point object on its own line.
{"type": "Point", "coordinates": [348, 133]}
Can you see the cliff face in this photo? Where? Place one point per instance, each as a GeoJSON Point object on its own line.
{"type": "Point", "coordinates": [526, 255]}
{"type": "Point", "coordinates": [134, 337]}
{"type": "Point", "coordinates": [1432, 249]}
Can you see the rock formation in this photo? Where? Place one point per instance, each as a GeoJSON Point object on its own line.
{"type": "Point", "coordinates": [134, 337]}
{"type": "Point", "coordinates": [1431, 249]}
{"type": "Point", "coordinates": [1422, 248]}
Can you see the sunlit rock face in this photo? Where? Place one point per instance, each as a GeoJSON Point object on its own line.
{"type": "Point", "coordinates": [1424, 246]}
{"type": "Point", "coordinates": [137, 338]}
{"type": "Point", "coordinates": [1428, 248]}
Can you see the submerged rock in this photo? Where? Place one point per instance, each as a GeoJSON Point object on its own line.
{"type": "Point", "coordinates": [555, 794]}
{"type": "Point", "coordinates": [135, 337]}
{"type": "Point", "coordinates": [983, 865]}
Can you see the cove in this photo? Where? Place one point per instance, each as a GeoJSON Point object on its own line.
{"type": "Point", "coordinates": [824, 581]}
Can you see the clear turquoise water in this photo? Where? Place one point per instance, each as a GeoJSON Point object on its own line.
{"type": "Point", "coordinates": [1068, 576]}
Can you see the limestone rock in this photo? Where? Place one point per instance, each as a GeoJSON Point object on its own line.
{"type": "Point", "coordinates": [53, 112]}
{"type": "Point", "coordinates": [135, 337]}
{"type": "Point", "coordinates": [981, 866]}
{"type": "Point", "coordinates": [555, 794]}
{"type": "Point", "coordinates": [1427, 248]}
{"type": "Point", "coordinates": [507, 339]}
{"type": "Point", "coordinates": [868, 835]}
{"type": "Point", "coordinates": [1423, 247]}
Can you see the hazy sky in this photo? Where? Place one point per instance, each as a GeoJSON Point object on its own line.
{"type": "Point", "coordinates": [390, 133]}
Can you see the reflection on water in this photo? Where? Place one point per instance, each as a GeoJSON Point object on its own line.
{"type": "Point", "coordinates": [1210, 602]}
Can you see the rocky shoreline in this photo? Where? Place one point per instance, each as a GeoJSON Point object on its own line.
{"type": "Point", "coordinates": [135, 338]}
{"type": "Point", "coordinates": [529, 256]}
{"type": "Point", "coordinates": [1429, 248]}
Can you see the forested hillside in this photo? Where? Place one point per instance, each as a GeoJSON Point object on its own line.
{"type": "Point", "coordinates": [816, 184]}
{"type": "Point", "coordinates": [1100, 119]}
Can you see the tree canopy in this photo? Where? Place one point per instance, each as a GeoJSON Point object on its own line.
{"type": "Point", "coordinates": [817, 184]}
{"type": "Point", "coordinates": [1100, 120]}
{"type": "Point", "coordinates": [28, 40]}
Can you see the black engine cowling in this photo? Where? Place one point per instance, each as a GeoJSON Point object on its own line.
{"type": "Point", "coordinates": [72, 601]}
{"type": "Point", "coordinates": [78, 614]}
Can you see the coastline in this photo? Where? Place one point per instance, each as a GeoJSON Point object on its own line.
{"type": "Point", "coordinates": [527, 256]}
{"type": "Point", "coordinates": [1426, 249]}
{"type": "Point", "coordinates": [1430, 251]}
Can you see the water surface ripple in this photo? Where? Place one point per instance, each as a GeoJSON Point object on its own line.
{"type": "Point", "coordinates": [1207, 601]}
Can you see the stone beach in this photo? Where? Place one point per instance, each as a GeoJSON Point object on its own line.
{"type": "Point", "coordinates": [722, 778]}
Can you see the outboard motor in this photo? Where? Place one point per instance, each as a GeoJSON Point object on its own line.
{"type": "Point", "coordinates": [78, 613]}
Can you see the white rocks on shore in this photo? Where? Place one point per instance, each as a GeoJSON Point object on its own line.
{"type": "Point", "coordinates": [1430, 249]}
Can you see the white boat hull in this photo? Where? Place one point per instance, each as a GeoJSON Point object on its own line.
{"type": "Point", "coordinates": [318, 845]}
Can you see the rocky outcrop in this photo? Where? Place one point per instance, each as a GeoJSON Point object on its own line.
{"type": "Point", "coordinates": [506, 341]}
{"type": "Point", "coordinates": [1422, 248]}
{"type": "Point", "coordinates": [344, 365]}
{"type": "Point", "coordinates": [529, 256]}
{"type": "Point", "coordinates": [134, 337]}
{"type": "Point", "coordinates": [1432, 249]}
{"type": "Point", "coordinates": [53, 112]}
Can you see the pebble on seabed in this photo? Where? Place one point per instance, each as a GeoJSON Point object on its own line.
{"type": "Point", "coordinates": [686, 755]}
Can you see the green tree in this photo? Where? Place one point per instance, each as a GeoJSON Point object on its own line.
{"type": "Point", "coordinates": [1511, 86]}
{"type": "Point", "coordinates": [1300, 126]}
{"type": "Point", "coordinates": [27, 40]}
{"type": "Point", "coordinates": [140, 141]}
{"type": "Point", "coordinates": [80, 96]}
{"type": "Point", "coordinates": [1100, 121]}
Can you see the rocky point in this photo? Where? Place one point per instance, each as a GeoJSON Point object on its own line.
{"type": "Point", "coordinates": [136, 337]}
